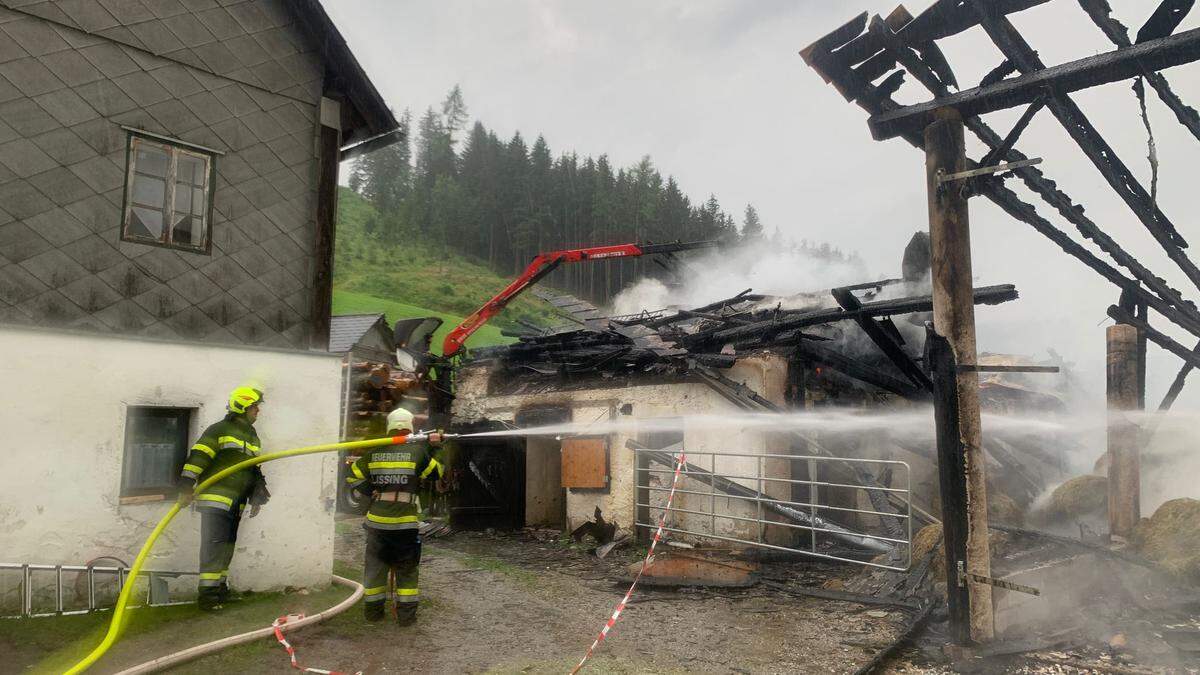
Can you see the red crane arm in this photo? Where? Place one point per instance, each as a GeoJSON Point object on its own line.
{"type": "Point", "coordinates": [539, 267]}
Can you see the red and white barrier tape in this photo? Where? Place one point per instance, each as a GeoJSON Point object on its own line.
{"type": "Point", "coordinates": [278, 626]}
{"type": "Point", "coordinates": [645, 563]}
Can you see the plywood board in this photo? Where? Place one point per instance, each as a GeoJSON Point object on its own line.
{"type": "Point", "coordinates": [585, 463]}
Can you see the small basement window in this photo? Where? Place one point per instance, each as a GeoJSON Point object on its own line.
{"type": "Point", "coordinates": [156, 446]}
{"type": "Point", "coordinates": [168, 194]}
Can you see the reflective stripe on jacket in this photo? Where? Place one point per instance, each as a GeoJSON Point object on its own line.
{"type": "Point", "coordinates": [222, 445]}
{"type": "Point", "coordinates": [393, 468]}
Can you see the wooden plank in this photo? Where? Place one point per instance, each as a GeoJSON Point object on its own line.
{"type": "Point", "coordinates": [1091, 71]}
{"type": "Point", "coordinates": [585, 463]}
{"type": "Point", "coordinates": [323, 241]}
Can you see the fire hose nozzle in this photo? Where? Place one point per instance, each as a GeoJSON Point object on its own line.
{"type": "Point", "coordinates": [424, 436]}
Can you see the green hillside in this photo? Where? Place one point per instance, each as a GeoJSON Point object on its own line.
{"type": "Point", "coordinates": [416, 279]}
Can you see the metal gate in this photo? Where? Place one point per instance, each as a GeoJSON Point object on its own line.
{"type": "Point", "coordinates": [739, 498]}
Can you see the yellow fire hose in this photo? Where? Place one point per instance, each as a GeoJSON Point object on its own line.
{"type": "Point", "coordinates": [114, 626]}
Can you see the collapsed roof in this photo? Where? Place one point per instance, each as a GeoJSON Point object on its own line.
{"type": "Point", "coordinates": [713, 336]}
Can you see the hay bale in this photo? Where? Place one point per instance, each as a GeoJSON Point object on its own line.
{"type": "Point", "coordinates": [1002, 509]}
{"type": "Point", "coordinates": [1081, 498]}
{"type": "Point", "coordinates": [924, 541]}
{"type": "Point", "coordinates": [1171, 537]}
{"type": "Point", "coordinates": [930, 538]}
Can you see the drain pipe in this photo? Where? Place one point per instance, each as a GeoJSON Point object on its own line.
{"type": "Point", "coordinates": [217, 645]}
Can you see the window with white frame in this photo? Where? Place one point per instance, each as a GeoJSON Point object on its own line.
{"type": "Point", "coordinates": [168, 194]}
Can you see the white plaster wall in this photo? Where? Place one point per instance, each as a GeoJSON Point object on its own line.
{"type": "Point", "coordinates": [63, 418]}
{"type": "Point", "coordinates": [765, 374]}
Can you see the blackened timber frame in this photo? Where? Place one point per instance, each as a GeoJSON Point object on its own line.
{"type": "Point", "coordinates": [1119, 177]}
{"type": "Point", "coordinates": [834, 58]}
{"type": "Point", "coordinates": [883, 339]}
{"type": "Point", "coordinates": [1092, 71]}
{"type": "Point", "coordinates": [1035, 180]}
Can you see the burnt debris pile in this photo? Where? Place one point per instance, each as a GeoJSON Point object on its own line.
{"type": "Point", "coordinates": [812, 326]}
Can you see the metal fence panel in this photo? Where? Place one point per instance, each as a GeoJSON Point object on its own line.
{"type": "Point", "coordinates": [736, 497]}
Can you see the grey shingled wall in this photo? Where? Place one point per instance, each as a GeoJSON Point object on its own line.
{"type": "Point", "coordinates": [241, 77]}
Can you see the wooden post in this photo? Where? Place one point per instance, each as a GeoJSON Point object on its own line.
{"type": "Point", "coordinates": [1143, 313]}
{"type": "Point", "coordinates": [954, 318]}
{"type": "Point", "coordinates": [330, 141]}
{"type": "Point", "coordinates": [1124, 480]}
{"type": "Point", "coordinates": [952, 478]}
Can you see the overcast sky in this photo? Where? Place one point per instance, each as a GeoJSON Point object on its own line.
{"type": "Point", "coordinates": [715, 93]}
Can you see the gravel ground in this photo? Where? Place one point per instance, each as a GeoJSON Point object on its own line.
{"type": "Point", "coordinates": [520, 603]}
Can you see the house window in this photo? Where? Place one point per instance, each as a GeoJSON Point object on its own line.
{"type": "Point", "coordinates": [168, 194]}
{"type": "Point", "coordinates": [156, 445]}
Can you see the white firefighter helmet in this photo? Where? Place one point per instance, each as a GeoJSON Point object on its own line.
{"type": "Point", "coordinates": [399, 420]}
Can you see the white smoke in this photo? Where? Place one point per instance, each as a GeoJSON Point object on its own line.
{"type": "Point", "coordinates": [778, 270]}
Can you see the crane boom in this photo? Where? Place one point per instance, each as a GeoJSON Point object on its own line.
{"type": "Point", "coordinates": [543, 264]}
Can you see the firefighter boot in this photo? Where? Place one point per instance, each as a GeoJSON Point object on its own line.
{"type": "Point", "coordinates": [374, 611]}
{"type": "Point", "coordinates": [406, 613]}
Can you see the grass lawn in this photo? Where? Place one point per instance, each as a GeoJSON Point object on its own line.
{"type": "Point", "coordinates": [350, 302]}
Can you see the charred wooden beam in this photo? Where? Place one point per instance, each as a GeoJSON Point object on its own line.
{"type": "Point", "coordinates": [858, 370]}
{"type": "Point", "coordinates": [1177, 384]}
{"type": "Point", "coordinates": [1008, 200]}
{"type": "Point", "coordinates": [988, 295]}
{"type": "Point", "coordinates": [998, 73]}
{"type": "Point", "coordinates": [1162, 340]}
{"type": "Point", "coordinates": [1088, 72]}
{"type": "Point", "coordinates": [1119, 177]}
{"type": "Point", "coordinates": [995, 154]}
{"type": "Point", "coordinates": [952, 477]}
{"type": "Point", "coordinates": [877, 285]}
{"type": "Point", "coordinates": [882, 339]}
{"type": "Point", "coordinates": [1035, 180]}
{"type": "Point", "coordinates": [1118, 34]}
{"type": "Point", "coordinates": [908, 56]}
{"type": "Point", "coordinates": [1165, 19]}
{"type": "Point", "coordinates": [1047, 189]}
{"type": "Point", "coordinates": [866, 98]}
{"type": "Point", "coordinates": [688, 313]}
{"type": "Point", "coordinates": [659, 322]}
{"type": "Point", "coordinates": [942, 19]}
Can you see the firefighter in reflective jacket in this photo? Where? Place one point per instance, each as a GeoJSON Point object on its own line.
{"type": "Point", "coordinates": [222, 445]}
{"type": "Point", "coordinates": [390, 476]}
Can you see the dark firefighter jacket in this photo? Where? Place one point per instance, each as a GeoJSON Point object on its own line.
{"type": "Point", "coordinates": [393, 468]}
{"type": "Point", "coordinates": [222, 445]}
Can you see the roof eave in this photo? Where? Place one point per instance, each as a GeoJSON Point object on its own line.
{"type": "Point", "coordinates": [348, 77]}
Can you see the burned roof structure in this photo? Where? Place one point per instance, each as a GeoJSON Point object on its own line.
{"type": "Point", "coordinates": [868, 58]}
{"type": "Point", "coordinates": [701, 341]}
